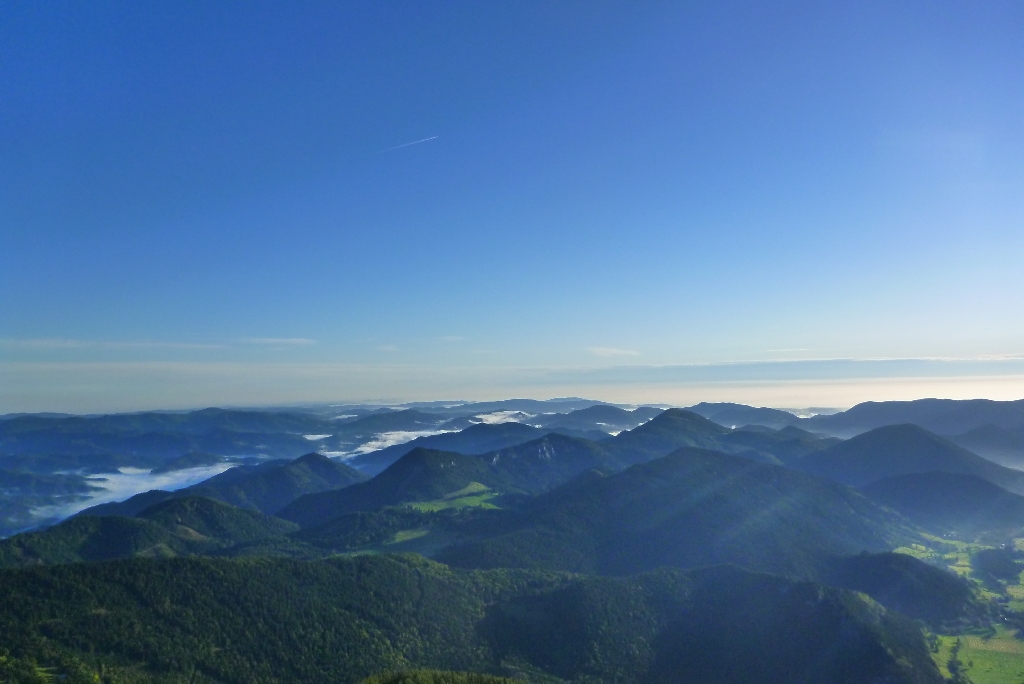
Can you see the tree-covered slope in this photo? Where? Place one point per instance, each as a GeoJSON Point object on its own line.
{"type": "Point", "coordinates": [1000, 445]}
{"type": "Point", "coordinates": [901, 450]}
{"type": "Point", "coordinates": [272, 490]}
{"type": "Point", "coordinates": [177, 526]}
{"type": "Point", "coordinates": [425, 475]}
{"type": "Point", "coordinates": [691, 508]}
{"type": "Point", "coordinates": [257, 621]}
{"type": "Point", "coordinates": [712, 625]}
{"type": "Point", "coordinates": [963, 506]}
{"type": "Point", "coordinates": [910, 586]}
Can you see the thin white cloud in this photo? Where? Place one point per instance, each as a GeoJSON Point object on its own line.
{"type": "Point", "coordinates": [385, 439]}
{"type": "Point", "coordinates": [414, 142]}
{"type": "Point", "coordinates": [65, 343]}
{"type": "Point", "coordinates": [497, 417]}
{"type": "Point", "coordinates": [612, 351]}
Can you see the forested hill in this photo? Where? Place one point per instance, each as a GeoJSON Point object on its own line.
{"type": "Point", "coordinates": [693, 507]}
{"type": "Point", "coordinates": [263, 621]}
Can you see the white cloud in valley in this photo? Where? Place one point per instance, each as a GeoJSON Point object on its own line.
{"type": "Point", "coordinates": [612, 351]}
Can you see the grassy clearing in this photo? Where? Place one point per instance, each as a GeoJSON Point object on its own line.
{"type": "Point", "coordinates": [425, 541]}
{"type": "Point", "coordinates": [407, 535]}
{"type": "Point", "coordinates": [993, 660]}
{"type": "Point", "coordinates": [469, 490]}
{"type": "Point", "coordinates": [472, 495]}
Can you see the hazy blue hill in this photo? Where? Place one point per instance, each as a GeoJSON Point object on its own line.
{"type": "Point", "coordinates": [25, 495]}
{"type": "Point", "coordinates": [20, 483]}
{"type": "Point", "coordinates": [676, 428]}
{"type": "Point", "coordinates": [943, 416]}
{"type": "Point", "coordinates": [965, 506]}
{"type": "Point", "coordinates": [192, 459]}
{"type": "Point", "coordinates": [534, 406]}
{"type": "Point", "coordinates": [231, 443]}
{"type": "Point", "coordinates": [901, 450]}
{"type": "Point", "coordinates": [1002, 446]}
{"type": "Point", "coordinates": [88, 448]}
{"type": "Point", "coordinates": [391, 421]}
{"type": "Point", "coordinates": [910, 586]}
{"type": "Point", "coordinates": [272, 489]}
{"type": "Point", "coordinates": [782, 446]}
{"type": "Point", "coordinates": [172, 527]}
{"type": "Point", "coordinates": [478, 438]}
{"type": "Point", "coordinates": [691, 508]}
{"type": "Point", "coordinates": [339, 620]}
{"type": "Point", "coordinates": [190, 422]}
{"type": "Point", "coordinates": [665, 433]}
{"type": "Point", "coordinates": [738, 415]}
{"type": "Point", "coordinates": [599, 417]}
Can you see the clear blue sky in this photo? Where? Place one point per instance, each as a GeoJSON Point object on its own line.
{"type": "Point", "coordinates": [207, 202]}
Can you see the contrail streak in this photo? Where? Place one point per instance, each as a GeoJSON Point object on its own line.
{"type": "Point", "coordinates": [415, 142]}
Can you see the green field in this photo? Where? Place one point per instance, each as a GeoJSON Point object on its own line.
{"type": "Point", "coordinates": [996, 659]}
{"type": "Point", "coordinates": [472, 495]}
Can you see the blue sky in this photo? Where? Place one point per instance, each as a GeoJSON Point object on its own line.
{"type": "Point", "coordinates": [767, 202]}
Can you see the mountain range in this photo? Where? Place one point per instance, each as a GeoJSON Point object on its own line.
{"type": "Point", "coordinates": [720, 544]}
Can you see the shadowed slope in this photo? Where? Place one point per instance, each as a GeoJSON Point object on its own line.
{"type": "Point", "coordinates": [273, 620]}
{"type": "Point", "coordinates": [965, 506]}
{"type": "Point", "coordinates": [691, 508]}
{"type": "Point", "coordinates": [900, 450]}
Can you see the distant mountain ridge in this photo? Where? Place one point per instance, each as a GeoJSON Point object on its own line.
{"type": "Point", "coordinates": [477, 438]}
{"type": "Point", "coordinates": [942, 416]}
{"type": "Point", "coordinates": [536, 466]}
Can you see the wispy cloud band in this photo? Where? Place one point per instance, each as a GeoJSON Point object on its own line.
{"type": "Point", "coordinates": [612, 351]}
